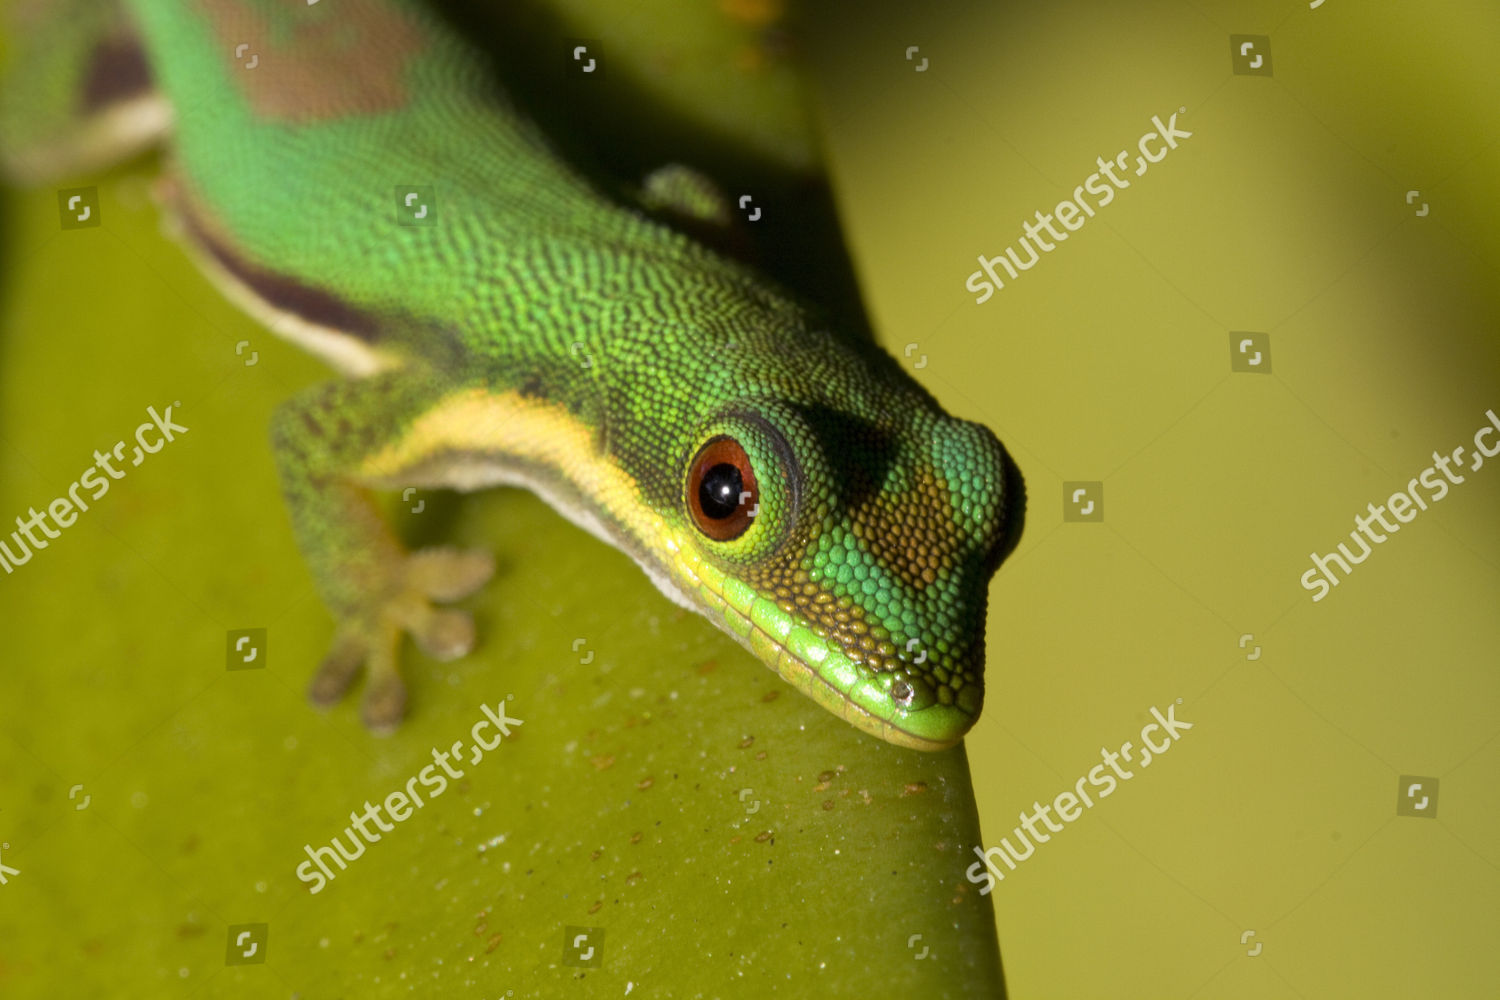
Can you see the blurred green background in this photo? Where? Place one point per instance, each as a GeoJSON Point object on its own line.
{"type": "Point", "coordinates": [1285, 214]}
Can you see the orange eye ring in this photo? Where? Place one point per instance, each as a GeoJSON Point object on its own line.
{"type": "Point", "coordinates": [721, 491]}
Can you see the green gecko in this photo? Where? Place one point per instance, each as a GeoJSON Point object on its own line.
{"type": "Point", "coordinates": [349, 174]}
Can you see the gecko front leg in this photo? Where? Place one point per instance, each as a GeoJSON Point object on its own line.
{"type": "Point", "coordinates": [326, 439]}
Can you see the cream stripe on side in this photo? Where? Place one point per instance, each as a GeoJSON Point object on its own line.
{"type": "Point", "coordinates": [473, 439]}
{"type": "Point", "coordinates": [121, 131]}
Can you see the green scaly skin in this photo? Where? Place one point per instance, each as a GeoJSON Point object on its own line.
{"type": "Point", "coordinates": [530, 331]}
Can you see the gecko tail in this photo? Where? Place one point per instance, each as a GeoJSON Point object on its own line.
{"type": "Point", "coordinates": [76, 94]}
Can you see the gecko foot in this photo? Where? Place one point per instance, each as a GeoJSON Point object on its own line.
{"type": "Point", "coordinates": [373, 640]}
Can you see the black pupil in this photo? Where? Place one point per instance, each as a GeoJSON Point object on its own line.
{"type": "Point", "coordinates": [719, 493]}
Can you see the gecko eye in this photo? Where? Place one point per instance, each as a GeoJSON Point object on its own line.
{"type": "Point", "coordinates": [721, 491]}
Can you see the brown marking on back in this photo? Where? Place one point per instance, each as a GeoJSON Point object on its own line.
{"type": "Point", "coordinates": [29, 15]}
{"type": "Point", "coordinates": [283, 293]}
{"type": "Point", "coordinates": [118, 71]}
{"type": "Point", "coordinates": [291, 296]}
{"type": "Point", "coordinates": [316, 63]}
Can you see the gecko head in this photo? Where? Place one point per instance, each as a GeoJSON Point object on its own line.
{"type": "Point", "coordinates": [850, 547]}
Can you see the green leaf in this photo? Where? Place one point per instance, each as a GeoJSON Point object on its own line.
{"type": "Point", "coordinates": [729, 837]}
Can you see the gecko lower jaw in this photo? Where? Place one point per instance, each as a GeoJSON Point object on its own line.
{"type": "Point", "coordinates": [865, 698]}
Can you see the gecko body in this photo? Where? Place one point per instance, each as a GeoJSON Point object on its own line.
{"type": "Point", "coordinates": [351, 175]}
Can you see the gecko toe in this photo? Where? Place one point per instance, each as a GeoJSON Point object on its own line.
{"type": "Point", "coordinates": [384, 703]}
{"type": "Point", "coordinates": [444, 635]}
{"type": "Point", "coordinates": [448, 574]}
{"type": "Point", "coordinates": [337, 671]}
{"type": "Point", "coordinates": [370, 638]}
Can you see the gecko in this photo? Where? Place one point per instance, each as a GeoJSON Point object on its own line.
{"type": "Point", "coordinates": [352, 175]}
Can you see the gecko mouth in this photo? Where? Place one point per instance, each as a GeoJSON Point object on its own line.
{"type": "Point", "coordinates": [898, 708]}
